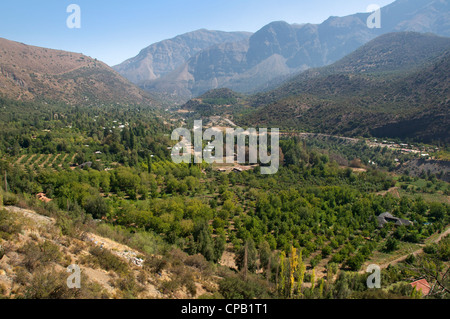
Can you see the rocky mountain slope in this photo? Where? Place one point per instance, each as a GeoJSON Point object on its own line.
{"type": "Point", "coordinates": [163, 57]}
{"type": "Point", "coordinates": [32, 73]}
{"type": "Point", "coordinates": [396, 85]}
{"type": "Point", "coordinates": [280, 49]}
{"type": "Point", "coordinates": [36, 250]}
{"type": "Point", "coordinates": [384, 97]}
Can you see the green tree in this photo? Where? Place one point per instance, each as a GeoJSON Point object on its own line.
{"type": "Point", "coordinates": [205, 242]}
{"type": "Point", "coordinates": [392, 244]}
{"type": "Point", "coordinates": [248, 249]}
{"type": "Point", "coordinates": [264, 254]}
{"type": "Point", "coordinates": [97, 207]}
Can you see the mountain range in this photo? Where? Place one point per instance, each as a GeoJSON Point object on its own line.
{"type": "Point", "coordinates": [397, 85]}
{"type": "Point", "coordinates": [252, 62]}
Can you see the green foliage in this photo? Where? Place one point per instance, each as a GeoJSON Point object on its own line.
{"type": "Point", "coordinates": [107, 260]}
{"type": "Point", "coordinates": [311, 204]}
{"type": "Point", "coordinates": [10, 199]}
{"type": "Point", "coordinates": [8, 225]}
{"type": "Point", "coordinates": [97, 207]}
{"type": "Point", "coordinates": [347, 284]}
{"type": "Point", "coordinates": [355, 262]}
{"type": "Point", "coordinates": [392, 244]}
{"type": "Point", "coordinates": [233, 287]}
{"type": "Point", "coordinates": [41, 254]}
{"type": "Point", "coordinates": [52, 284]}
{"type": "Point", "coordinates": [252, 256]}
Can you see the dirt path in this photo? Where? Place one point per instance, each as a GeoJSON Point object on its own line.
{"type": "Point", "coordinates": [63, 160]}
{"type": "Point", "coordinates": [19, 159]}
{"type": "Point", "coordinates": [31, 159]}
{"type": "Point", "coordinates": [392, 190]}
{"type": "Point", "coordinates": [45, 161]}
{"type": "Point", "coordinates": [54, 160]}
{"type": "Point", "coordinates": [414, 253]}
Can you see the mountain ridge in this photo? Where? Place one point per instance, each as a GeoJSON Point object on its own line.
{"type": "Point", "coordinates": [385, 89]}
{"type": "Point", "coordinates": [165, 56]}
{"type": "Point", "coordinates": [300, 46]}
{"type": "Point", "coordinates": [412, 103]}
{"type": "Point", "coordinates": [31, 73]}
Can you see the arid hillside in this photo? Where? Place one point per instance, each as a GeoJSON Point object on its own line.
{"type": "Point", "coordinates": [32, 73]}
{"type": "Point", "coordinates": [36, 250]}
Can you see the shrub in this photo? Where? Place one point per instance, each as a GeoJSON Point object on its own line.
{"type": "Point", "coordinates": [50, 252]}
{"type": "Point", "coordinates": [10, 199]}
{"type": "Point", "coordinates": [22, 276]}
{"type": "Point", "coordinates": [146, 242]}
{"type": "Point", "coordinates": [170, 286]}
{"type": "Point", "coordinates": [128, 286]}
{"type": "Point", "coordinates": [3, 290]}
{"type": "Point", "coordinates": [68, 227]}
{"type": "Point", "coordinates": [234, 287]}
{"type": "Point", "coordinates": [107, 260]}
{"type": "Point", "coordinates": [52, 284]}
{"type": "Point", "coordinates": [431, 249]}
{"type": "Point", "coordinates": [444, 249]}
{"type": "Point", "coordinates": [40, 254]}
{"type": "Point", "coordinates": [391, 245]}
{"type": "Point", "coordinates": [8, 226]}
{"type": "Point", "coordinates": [97, 207]}
{"type": "Point", "coordinates": [48, 284]}
{"type": "Point", "coordinates": [155, 264]}
{"type": "Point", "coordinates": [198, 261]}
{"type": "Point", "coordinates": [355, 262]}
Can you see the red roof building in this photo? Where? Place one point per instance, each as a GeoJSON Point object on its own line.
{"type": "Point", "coordinates": [42, 197]}
{"type": "Point", "coordinates": [422, 285]}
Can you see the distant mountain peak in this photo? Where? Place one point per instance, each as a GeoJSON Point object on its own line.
{"type": "Point", "coordinates": [279, 50]}
{"type": "Point", "coordinates": [397, 85]}
{"type": "Point", "coordinates": [165, 56]}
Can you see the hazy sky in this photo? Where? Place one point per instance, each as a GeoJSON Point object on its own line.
{"type": "Point", "coordinates": [115, 30]}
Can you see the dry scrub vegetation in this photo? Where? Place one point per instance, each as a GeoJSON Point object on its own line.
{"type": "Point", "coordinates": [35, 252]}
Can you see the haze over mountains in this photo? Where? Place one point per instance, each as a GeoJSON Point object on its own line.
{"type": "Point", "coordinates": [397, 85]}
{"type": "Point", "coordinates": [163, 57]}
{"type": "Point", "coordinates": [277, 50]}
{"type": "Point", "coordinates": [384, 84]}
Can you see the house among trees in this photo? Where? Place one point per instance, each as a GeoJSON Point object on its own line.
{"type": "Point", "coordinates": [422, 285]}
{"type": "Point", "coordinates": [43, 198]}
{"type": "Point", "coordinates": [385, 218]}
{"type": "Point", "coordinates": [88, 164]}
